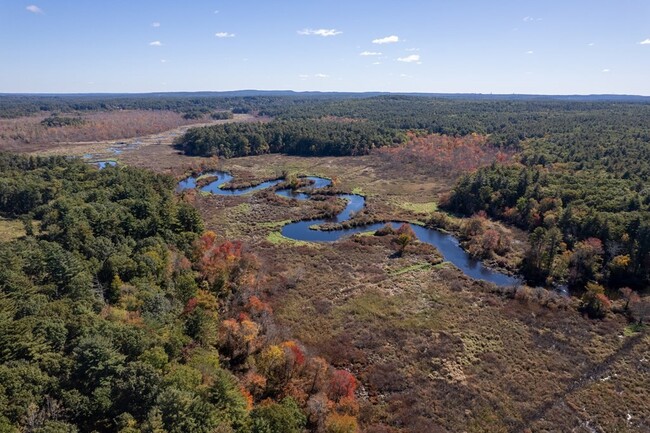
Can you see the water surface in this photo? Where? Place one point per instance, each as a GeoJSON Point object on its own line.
{"type": "Point", "coordinates": [446, 243]}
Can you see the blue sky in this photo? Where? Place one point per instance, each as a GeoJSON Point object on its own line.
{"type": "Point", "coordinates": [513, 46]}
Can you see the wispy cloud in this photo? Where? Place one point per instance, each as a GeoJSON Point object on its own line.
{"type": "Point", "coordinates": [530, 52]}
{"type": "Point", "coordinates": [413, 58]}
{"type": "Point", "coordinates": [34, 9]}
{"type": "Point", "coordinates": [387, 40]}
{"type": "Point", "coordinates": [155, 24]}
{"type": "Point", "coordinates": [645, 42]}
{"type": "Point", "coordinates": [163, 60]}
{"type": "Point", "coordinates": [216, 12]}
{"type": "Point", "coordinates": [155, 43]}
{"type": "Point", "coordinates": [306, 76]}
{"type": "Point", "coordinates": [605, 70]}
{"type": "Point", "coordinates": [224, 35]}
{"type": "Point", "coordinates": [529, 19]}
{"type": "Point", "coordinates": [591, 44]}
{"type": "Point", "coordinates": [376, 63]}
{"type": "Point", "coordinates": [412, 49]}
{"type": "Point", "coordinates": [319, 32]}
{"type": "Point", "coordinates": [370, 53]}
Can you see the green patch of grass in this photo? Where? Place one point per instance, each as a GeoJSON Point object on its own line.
{"type": "Point", "coordinates": [384, 311]}
{"type": "Point", "coordinates": [241, 209]}
{"type": "Point", "coordinates": [273, 224]}
{"type": "Point", "coordinates": [423, 208]}
{"type": "Point", "coordinates": [276, 238]}
{"type": "Point", "coordinates": [477, 344]}
{"type": "Point", "coordinates": [371, 306]}
{"type": "Point", "coordinates": [633, 329]}
{"type": "Point", "coordinates": [11, 229]}
{"type": "Point", "coordinates": [416, 267]}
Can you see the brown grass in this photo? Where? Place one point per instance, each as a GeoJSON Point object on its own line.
{"type": "Point", "coordinates": [11, 229]}
{"type": "Point", "coordinates": [443, 155]}
{"type": "Point", "coordinates": [26, 134]}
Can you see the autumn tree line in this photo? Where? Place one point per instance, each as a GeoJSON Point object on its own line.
{"type": "Point", "coordinates": [586, 223]}
{"type": "Point", "coordinates": [120, 313]}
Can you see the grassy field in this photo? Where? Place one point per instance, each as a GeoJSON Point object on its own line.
{"type": "Point", "coordinates": [434, 350]}
{"type": "Point", "coordinates": [11, 229]}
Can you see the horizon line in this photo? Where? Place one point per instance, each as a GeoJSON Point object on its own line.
{"type": "Point", "coordinates": [298, 92]}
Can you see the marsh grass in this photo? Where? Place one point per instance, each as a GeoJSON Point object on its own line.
{"type": "Point", "coordinates": [11, 229]}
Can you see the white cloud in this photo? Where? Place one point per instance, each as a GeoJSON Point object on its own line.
{"type": "Point", "coordinates": [645, 42]}
{"type": "Point", "coordinates": [319, 32]}
{"type": "Point", "coordinates": [605, 70]}
{"type": "Point", "coordinates": [413, 58]}
{"type": "Point", "coordinates": [370, 53]}
{"type": "Point", "coordinates": [306, 76]}
{"type": "Point", "coordinates": [376, 63]}
{"type": "Point", "coordinates": [387, 40]}
{"type": "Point", "coordinates": [412, 49]}
{"type": "Point", "coordinates": [163, 60]}
{"type": "Point", "coordinates": [527, 19]}
{"type": "Point", "coordinates": [224, 35]}
{"type": "Point", "coordinates": [34, 9]}
{"type": "Point", "coordinates": [530, 52]}
{"type": "Point", "coordinates": [155, 24]}
{"type": "Point", "coordinates": [155, 44]}
{"type": "Point", "coordinates": [590, 44]}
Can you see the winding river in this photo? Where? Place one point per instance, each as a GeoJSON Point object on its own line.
{"type": "Point", "coordinates": [301, 231]}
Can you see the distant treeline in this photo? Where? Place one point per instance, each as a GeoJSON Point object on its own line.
{"type": "Point", "coordinates": [507, 122]}
{"type": "Point", "coordinates": [296, 137]}
{"type": "Point", "coordinates": [12, 106]}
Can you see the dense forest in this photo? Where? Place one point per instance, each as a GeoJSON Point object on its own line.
{"type": "Point", "coordinates": [119, 313]}
{"type": "Point", "coordinates": [295, 137]}
{"type": "Point", "coordinates": [582, 193]}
